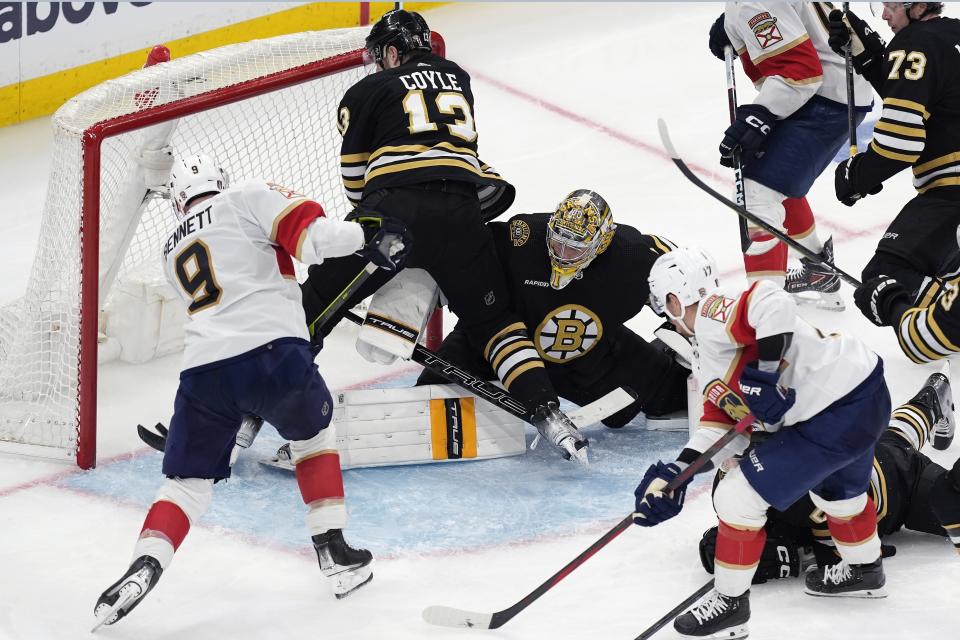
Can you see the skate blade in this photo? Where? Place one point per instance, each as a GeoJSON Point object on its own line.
{"type": "Point", "coordinates": [733, 633]}
{"type": "Point", "coordinates": [108, 614]}
{"type": "Point", "coordinates": [825, 301]}
{"type": "Point", "coordinates": [678, 421]}
{"type": "Point", "coordinates": [865, 594]}
{"type": "Point", "coordinates": [349, 581]}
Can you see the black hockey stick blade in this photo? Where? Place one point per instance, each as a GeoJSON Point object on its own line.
{"type": "Point", "coordinates": [743, 213]}
{"type": "Point", "coordinates": [157, 440]}
{"type": "Point", "coordinates": [717, 392]}
{"type": "Point", "coordinates": [673, 613]}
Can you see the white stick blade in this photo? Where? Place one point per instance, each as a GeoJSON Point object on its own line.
{"type": "Point", "coordinates": [665, 138]}
{"type": "Point", "coordinates": [451, 617]}
{"type": "Point", "coordinates": [601, 408]}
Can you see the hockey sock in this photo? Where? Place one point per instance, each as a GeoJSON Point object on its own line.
{"type": "Point", "coordinates": [320, 480]}
{"type": "Point", "coordinates": [856, 537]}
{"type": "Point", "coordinates": [517, 364]}
{"type": "Point", "coordinates": [800, 225]}
{"type": "Point", "coordinates": [736, 558]}
{"type": "Point", "coordinates": [179, 502]}
{"type": "Point", "coordinates": [771, 264]}
{"type": "Point", "coordinates": [912, 421]}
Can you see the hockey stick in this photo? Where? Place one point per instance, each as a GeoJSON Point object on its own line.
{"type": "Point", "coordinates": [673, 613]}
{"type": "Point", "coordinates": [728, 57]}
{"type": "Point", "coordinates": [343, 296]}
{"type": "Point", "coordinates": [717, 393]}
{"type": "Point", "coordinates": [449, 371]}
{"type": "Point", "coordinates": [617, 399]}
{"type": "Point", "coordinates": [851, 96]}
{"type": "Point", "coordinates": [156, 439]}
{"type": "Point", "coordinates": [743, 213]}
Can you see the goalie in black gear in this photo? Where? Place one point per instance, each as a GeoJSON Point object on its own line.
{"type": "Point", "coordinates": [575, 278]}
{"type": "Point", "coordinates": [910, 491]}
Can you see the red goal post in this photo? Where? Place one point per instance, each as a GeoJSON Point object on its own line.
{"type": "Point", "coordinates": [265, 108]}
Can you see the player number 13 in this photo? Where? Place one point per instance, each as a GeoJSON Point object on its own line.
{"type": "Point", "coordinates": [448, 103]}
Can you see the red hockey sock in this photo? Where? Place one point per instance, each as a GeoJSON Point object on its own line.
{"type": "Point", "coordinates": [167, 521]}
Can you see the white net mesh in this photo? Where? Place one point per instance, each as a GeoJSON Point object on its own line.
{"type": "Point", "coordinates": [287, 136]}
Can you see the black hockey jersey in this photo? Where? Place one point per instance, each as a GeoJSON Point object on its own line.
{"type": "Point", "coordinates": [415, 124]}
{"type": "Point", "coordinates": [569, 326]}
{"type": "Point", "coordinates": [920, 124]}
{"type": "Point", "coordinates": [931, 330]}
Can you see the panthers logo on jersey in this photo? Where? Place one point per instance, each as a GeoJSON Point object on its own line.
{"type": "Point", "coordinates": [567, 332]}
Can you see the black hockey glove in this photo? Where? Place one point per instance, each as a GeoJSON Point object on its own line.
{"type": "Point", "coordinates": [866, 45]}
{"type": "Point", "coordinates": [882, 300]}
{"type": "Point", "coordinates": [387, 241]}
{"type": "Point", "coordinates": [845, 182]}
{"type": "Point", "coordinates": [719, 38]}
{"type": "Point", "coordinates": [747, 134]}
{"type": "Point", "coordinates": [780, 557]}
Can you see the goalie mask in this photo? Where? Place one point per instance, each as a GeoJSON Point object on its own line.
{"type": "Point", "coordinates": [578, 231]}
{"type": "Point", "coordinates": [688, 273]}
{"type": "Point", "coordinates": [193, 176]}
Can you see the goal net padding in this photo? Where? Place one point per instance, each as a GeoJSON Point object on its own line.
{"type": "Point", "coordinates": [264, 109]}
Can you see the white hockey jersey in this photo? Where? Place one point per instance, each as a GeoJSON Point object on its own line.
{"type": "Point", "coordinates": [821, 368]}
{"type": "Point", "coordinates": [784, 51]}
{"type": "Point", "coordinates": [231, 260]}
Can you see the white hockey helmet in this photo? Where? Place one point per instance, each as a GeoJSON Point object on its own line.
{"type": "Point", "coordinates": [193, 176]}
{"type": "Point", "coordinates": [689, 273]}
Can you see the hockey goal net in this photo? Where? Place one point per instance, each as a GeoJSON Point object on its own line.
{"type": "Point", "coordinates": [264, 109]}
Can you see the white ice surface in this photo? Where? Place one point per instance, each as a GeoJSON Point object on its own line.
{"type": "Point", "coordinates": [567, 97]}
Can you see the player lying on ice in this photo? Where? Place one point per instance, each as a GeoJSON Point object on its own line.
{"type": "Point", "coordinates": [823, 419]}
{"type": "Point", "coordinates": [909, 490]}
{"type": "Point", "coordinates": [247, 351]}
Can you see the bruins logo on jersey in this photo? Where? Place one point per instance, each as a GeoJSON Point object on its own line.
{"type": "Point", "coordinates": [519, 232]}
{"type": "Point", "coordinates": [567, 332]}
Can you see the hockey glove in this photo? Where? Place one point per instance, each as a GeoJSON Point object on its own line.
{"type": "Point", "coordinates": [719, 38]}
{"type": "Point", "coordinates": [866, 45]}
{"type": "Point", "coordinates": [766, 399]}
{"type": "Point", "coordinates": [387, 241]}
{"type": "Point", "coordinates": [780, 557]}
{"type": "Point", "coordinates": [847, 185]}
{"type": "Point", "coordinates": [747, 134]}
{"type": "Point", "coordinates": [882, 300]}
{"type": "Point", "coordinates": [653, 506]}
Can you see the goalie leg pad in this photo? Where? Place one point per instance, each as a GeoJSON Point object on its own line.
{"type": "Point", "coordinates": [317, 466]}
{"type": "Point", "coordinates": [397, 316]}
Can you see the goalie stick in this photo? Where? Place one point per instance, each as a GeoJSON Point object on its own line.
{"type": "Point", "coordinates": [475, 385]}
{"type": "Point", "coordinates": [673, 613]}
{"type": "Point", "coordinates": [718, 393]}
{"type": "Point", "coordinates": [743, 213]}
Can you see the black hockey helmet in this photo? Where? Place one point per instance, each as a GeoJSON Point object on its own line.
{"type": "Point", "coordinates": [405, 30]}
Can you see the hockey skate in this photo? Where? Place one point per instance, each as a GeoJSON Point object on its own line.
{"type": "Point", "coordinates": [350, 568]}
{"type": "Point", "coordinates": [844, 580]}
{"type": "Point", "coordinates": [812, 283]}
{"type": "Point", "coordinates": [937, 396]}
{"type": "Point", "coordinates": [716, 616]}
{"type": "Point", "coordinates": [127, 592]}
{"type": "Point", "coordinates": [556, 427]}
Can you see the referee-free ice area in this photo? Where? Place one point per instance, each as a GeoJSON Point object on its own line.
{"type": "Point", "coordinates": [567, 96]}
